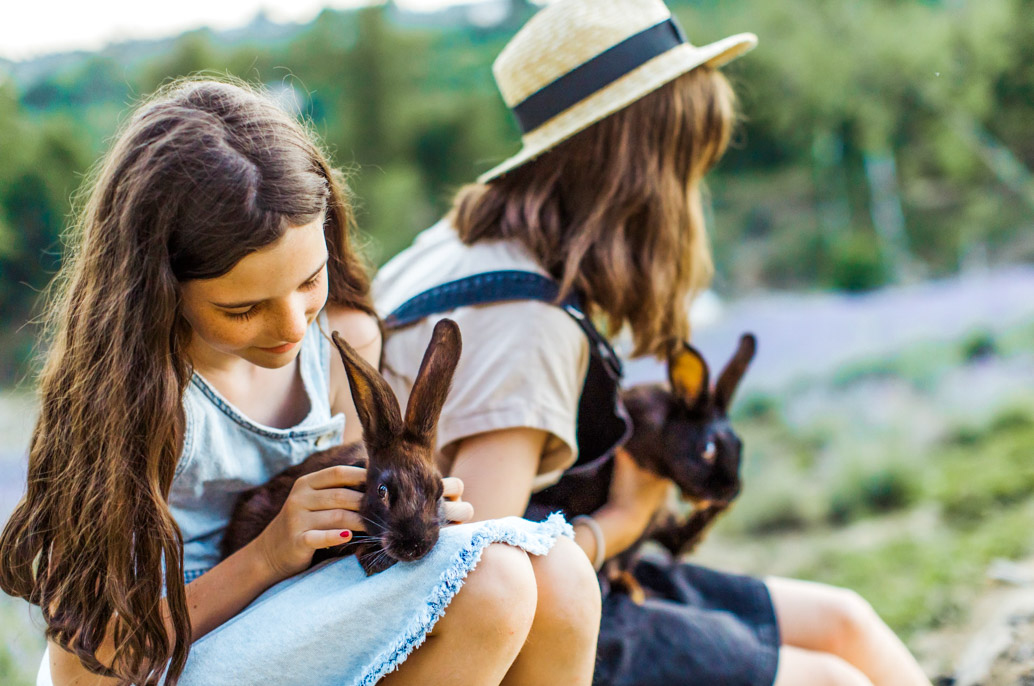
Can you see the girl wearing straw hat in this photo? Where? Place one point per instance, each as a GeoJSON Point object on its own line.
{"type": "Point", "coordinates": [600, 213]}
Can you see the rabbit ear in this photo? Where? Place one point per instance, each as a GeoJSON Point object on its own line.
{"type": "Point", "coordinates": [688, 374]}
{"type": "Point", "coordinates": [730, 377]}
{"type": "Point", "coordinates": [374, 401]}
{"type": "Point", "coordinates": [433, 380]}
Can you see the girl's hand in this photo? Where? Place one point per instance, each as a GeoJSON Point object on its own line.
{"type": "Point", "coordinates": [635, 495]}
{"type": "Point", "coordinates": [634, 490]}
{"type": "Point", "coordinates": [320, 512]}
{"type": "Point", "coordinates": [454, 509]}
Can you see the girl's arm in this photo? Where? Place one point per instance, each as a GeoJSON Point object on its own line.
{"type": "Point", "coordinates": [504, 372]}
{"type": "Point", "coordinates": [497, 469]}
{"type": "Point", "coordinates": [364, 334]}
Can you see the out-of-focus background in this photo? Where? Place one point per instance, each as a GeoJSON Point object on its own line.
{"type": "Point", "coordinates": [872, 225]}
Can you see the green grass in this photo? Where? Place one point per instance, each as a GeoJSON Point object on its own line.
{"type": "Point", "coordinates": [866, 488]}
{"type": "Point", "coordinates": [921, 580]}
{"type": "Point", "coordinates": [987, 471]}
{"type": "Point", "coordinates": [918, 578]}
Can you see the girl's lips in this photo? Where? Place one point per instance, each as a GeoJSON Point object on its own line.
{"type": "Point", "coordinates": [280, 348]}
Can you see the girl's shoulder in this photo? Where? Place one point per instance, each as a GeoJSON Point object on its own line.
{"type": "Point", "coordinates": [363, 331]}
{"type": "Point", "coordinates": [438, 256]}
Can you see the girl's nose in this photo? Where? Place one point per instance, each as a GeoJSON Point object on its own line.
{"type": "Point", "coordinates": [293, 321]}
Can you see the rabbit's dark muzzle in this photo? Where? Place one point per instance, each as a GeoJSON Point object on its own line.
{"type": "Point", "coordinates": [410, 543]}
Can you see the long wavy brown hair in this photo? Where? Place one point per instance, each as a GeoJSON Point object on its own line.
{"type": "Point", "coordinates": [614, 212]}
{"type": "Point", "coordinates": [202, 174]}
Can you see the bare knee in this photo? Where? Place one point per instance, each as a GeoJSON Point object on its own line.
{"type": "Point", "coordinates": [484, 627]}
{"type": "Point", "coordinates": [498, 598]}
{"type": "Point", "coordinates": [568, 592]}
{"type": "Point", "coordinates": [797, 666]}
{"type": "Point", "coordinates": [852, 620]}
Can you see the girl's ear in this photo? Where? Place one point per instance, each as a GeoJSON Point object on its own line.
{"type": "Point", "coordinates": [375, 403]}
{"type": "Point", "coordinates": [730, 377]}
{"type": "Point", "coordinates": [689, 376]}
{"type": "Point", "coordinates": [433, 380]}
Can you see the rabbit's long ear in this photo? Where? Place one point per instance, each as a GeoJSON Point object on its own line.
{"type": "Point", "coordinates": [432, 381]}
{"type": "Point", "coordinates": [374, 401]}
{"type": "Point", "coordinates": [730, 377]}
{"type": "Point", "coordinates": [688, 374]}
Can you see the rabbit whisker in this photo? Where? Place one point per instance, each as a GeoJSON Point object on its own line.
{"type": "Point", "coordinates": [373, 519]}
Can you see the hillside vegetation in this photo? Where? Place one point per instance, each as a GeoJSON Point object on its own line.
{"type": "Point", "coordinates": [882, 141]}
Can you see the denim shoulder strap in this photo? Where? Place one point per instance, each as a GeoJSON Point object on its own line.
{"type": "Point", "coordinates": [500, 286]}
{"type": "Point", "coordinates": [603, 421]}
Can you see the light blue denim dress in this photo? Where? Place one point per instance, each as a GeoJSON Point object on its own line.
{"type": "Point", "coordinates": [331, 624]}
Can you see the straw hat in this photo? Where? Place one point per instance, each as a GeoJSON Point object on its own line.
{"type": "Point", "coordinates": [577, 61]}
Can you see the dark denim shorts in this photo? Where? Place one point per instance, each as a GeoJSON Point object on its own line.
{"type": "Point", "coordinates": [697, 626]}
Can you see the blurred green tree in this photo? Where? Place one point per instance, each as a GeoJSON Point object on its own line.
{"type": "Point", "coordinates": [882, 140]}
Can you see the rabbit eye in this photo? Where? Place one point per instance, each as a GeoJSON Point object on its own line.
{"type": "Point", "coordinates": [382, 491]}
{"type": "Point", "coordinates": [710, 451]}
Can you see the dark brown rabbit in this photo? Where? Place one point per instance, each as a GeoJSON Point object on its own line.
{"type": "Point", "coordinates": [684, 434]}
{"type": "Point", "coordinates": [680, 432]}
{"type": "Point", "coordinates": [400, 503]}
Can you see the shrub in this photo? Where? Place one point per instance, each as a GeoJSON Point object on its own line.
{"type": "Point", "coordinates": [979, 346]}
{"type": "Point", "coordinates": [873, 489]}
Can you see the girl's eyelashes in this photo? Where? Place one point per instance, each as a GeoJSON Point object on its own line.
{"type": "Point", "coordinates": [242, 316]}
{"type": "Point", "coordinates": [313, 282]}
{"type": "Point", "coordinates": [250, 312]}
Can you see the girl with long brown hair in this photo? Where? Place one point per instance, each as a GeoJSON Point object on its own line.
{"type": "Point", "coordinates": [188, 361]}
{"type": "Point", "coordinates": [622, 118]}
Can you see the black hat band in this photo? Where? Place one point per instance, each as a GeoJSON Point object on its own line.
{"type": "Point", "coordinates": [599, 72]}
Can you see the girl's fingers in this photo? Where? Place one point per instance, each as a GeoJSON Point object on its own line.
{"type": "Point", "coordinates": [453, 488]}
{"type": "Point", "coordinates": [332, 499]}
{"type": "Point", "coordinates": [457, 511]}
{"type": "Point", "coordinates": [315, 538]}
{"type": "Point", "coordinates": [325, 520]}
{"type": "Point", "coordinates": [335, 477]}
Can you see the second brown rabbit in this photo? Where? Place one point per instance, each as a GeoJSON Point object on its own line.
{"type": "Point", "coordinates": [681, 432]}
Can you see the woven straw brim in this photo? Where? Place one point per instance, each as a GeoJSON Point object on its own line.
{"type": "Point", "coordinates": [621, 93]}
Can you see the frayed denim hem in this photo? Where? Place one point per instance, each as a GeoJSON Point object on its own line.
{"type": "Point", "coordinates": [536, 542]}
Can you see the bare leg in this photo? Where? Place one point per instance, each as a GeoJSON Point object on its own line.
{"type": "Point", "coordinates": [825, 619]}
{"type": "Point", "coordinates": [483, 629]}
{"type": "Point", "coordinates": [798, 666]}
{"type": "Point", "coordinates": [561, 647]}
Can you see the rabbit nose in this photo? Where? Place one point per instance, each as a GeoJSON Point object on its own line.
{"type": "Point", "coordinates": [410, 551]}
{"type": "Point", "coordinates": [414, 543]}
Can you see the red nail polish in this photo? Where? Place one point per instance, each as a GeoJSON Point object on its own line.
{"type": "Point", "coordinates": [346, 534]}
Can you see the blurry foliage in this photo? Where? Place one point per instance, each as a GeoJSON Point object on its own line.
{"type": "Point", "coordinates": [757, 405]}
{"type": "Point", "coordinates": [866, 488]}
{"type": "Point", "coordinates": [938, 93]}
{"type": "Point", "coordinates": [858, 264]}
{"type": "Point", "coordinates": [979, 346]}
{"type": "Point", "coordinates": [992, 472]}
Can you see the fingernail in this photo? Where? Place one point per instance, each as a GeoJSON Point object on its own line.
{"type": "Point", "coordinates": [346, 534]}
